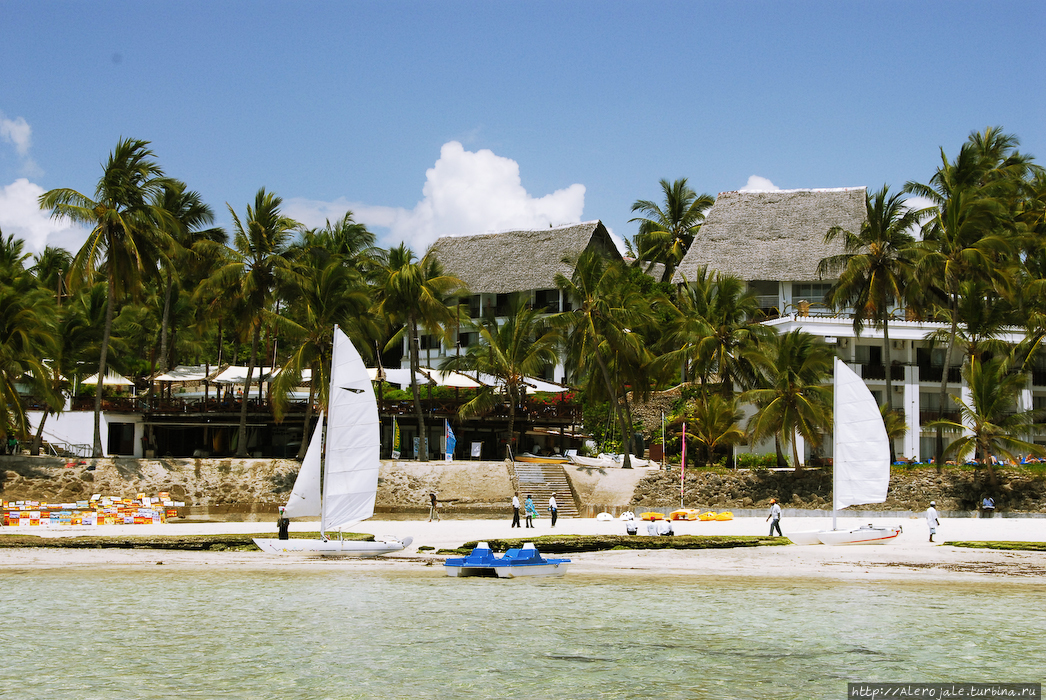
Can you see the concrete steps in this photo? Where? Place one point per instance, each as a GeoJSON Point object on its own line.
{"type": "Point", "coordinates": [541, 481]}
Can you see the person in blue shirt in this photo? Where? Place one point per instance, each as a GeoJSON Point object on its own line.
{"type": "Point", "coordinates": [531, 511]}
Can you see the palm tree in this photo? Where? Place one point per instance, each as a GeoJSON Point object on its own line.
{"type": "Point", "coordinates": [411, 293]}
{"type": "Point", "coordinates": [255, 264]}
{"type": "Point", "coordinates": [126, 238]}
{"type": "Point", "coordinates": [989, 423]}
{"type": "Point", "coordinates": [712, 421]}
{"type": "Point", "coordinates": [189, 238]}
{"type": "Point", "coordinates": [666, 232]}
{"type": "Point", "coordinates": [27, 335]}
{"type": "Point", "coordinates": [602, 346]}
{"type": "Point", "coordinates": [714, 329]}
{"type": "Point", "coordinates": [794, 398]}
{"type": "Point", "coordinates": [324, 290]}
{"type": "Point", "coordinates": [876, 266]}
{"type": "Point", "coordinates": [967, 236]}
{"type": "Point", "coordinates": [51, 267]}
{"type": "Point", "coordinates": [520, 347]}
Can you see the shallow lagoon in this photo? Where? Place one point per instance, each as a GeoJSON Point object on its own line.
{"type": "Point", "coordinates": [84, 633]}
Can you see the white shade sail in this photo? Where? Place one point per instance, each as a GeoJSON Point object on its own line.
{"type": "Point", "coordinates": [111, 379]}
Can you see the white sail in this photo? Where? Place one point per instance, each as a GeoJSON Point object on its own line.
{"type": "Point", "coordinates": [350, 480]}
{"type": "Point", "coordinates": [304, 500]}
{"type": "Point", "coordinates": [861, 462]}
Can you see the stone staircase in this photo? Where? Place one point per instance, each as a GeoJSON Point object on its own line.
{"type": "Point", "coordinates": [541, 481]}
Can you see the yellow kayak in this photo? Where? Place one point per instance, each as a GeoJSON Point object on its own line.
{"type": "Point", "coordinates": [725, 515]}
{"type": "Point", "coordinates": [710, 515]}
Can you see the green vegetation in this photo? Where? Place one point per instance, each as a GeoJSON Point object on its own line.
{"type": "Point", "coordinates": [189, 543]}
{"type": "Point", "coordinates": [561, 544]}
{"type": "Point", "coordinates": [155, 285]}
{"type": "Point", "coordinates": [1013, 546]}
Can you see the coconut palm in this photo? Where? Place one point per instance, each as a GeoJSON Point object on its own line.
{"type": "Point", "coordinates": [967, 234]}
{"type": "Point", "coordinates": [990, 423]}
{"type": "Point", "coordinates": [255, 264]}
{"type": "Point", "coordinates": [602, 347]}
{"type": "Point", "coordinates": [712, 421]}
{"type": "Point", "coordinates": [876, 266]}
{"type": "Point", "coordinates": [51, 267]}
{"type": "Point", "coordinates": [190, 238]}
{"type": "Point", "coordinates": [794, 398]}
{"type": "Point", "coordinates": [126, 238]}
{"type": "Point", "coordinates": [27, 335]}
{"type": "Point", "coordinates": [323, 290]}
{"type": "Point", "coordinates": [667, 231]}
{"type": "Point", "coordinates": [713, 330]}
{"type": "Point", "coordinates": [412, 293]}
{"type": "Point", "coordinates": [519, 347]}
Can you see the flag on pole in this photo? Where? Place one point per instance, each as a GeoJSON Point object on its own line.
{"type": "Point", "coordinates": [395, 439]}
{"type": "Point", "coordinates": [682, 468]}
{"type": "Point", "coordinates": [451, 441]}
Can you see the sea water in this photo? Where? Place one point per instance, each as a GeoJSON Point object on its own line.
{"type": "Point", "coordinates": [176, 633]}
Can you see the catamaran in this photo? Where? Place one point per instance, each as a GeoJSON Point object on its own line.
{"type": "Point", "coordinates": [860, 462]}
{"type": "Point", "coordinates": [341, 488]}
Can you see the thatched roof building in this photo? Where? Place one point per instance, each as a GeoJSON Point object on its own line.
{"type": "Point", "coordinates": [773, 235]}
{"type": "Point", "coordinates": [517, 261]}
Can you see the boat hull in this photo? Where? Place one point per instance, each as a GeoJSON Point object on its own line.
{"type": "Point", "coordinates": [552, 568]}
{"type": "Point", "coordinates": [330, 548]}
{"type": "Point", "coordinates": [867, 534]}
{"type": "Point", "coordinates": [861, 535]}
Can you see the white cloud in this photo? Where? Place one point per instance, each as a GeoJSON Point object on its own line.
{"type": "Point", "coordinates": [19, 134]}
{"type": "Point", "coordinates": [759, 184]}
{"type": "Point", "coordinates": [16, 132]}
{"type": "Point", "coordinates": [20, 214]}
{"type": "Point", "coordinates": [465, 193]}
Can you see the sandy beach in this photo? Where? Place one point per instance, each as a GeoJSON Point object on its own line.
{"type": "Point", "coordinates": [912, 557]}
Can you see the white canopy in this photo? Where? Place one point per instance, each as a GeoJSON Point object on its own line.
{"type": "Point", "coordinates": [237, 374]}
{"type": "Point", "coordinates": [184, 373]}
{"type": "Point", "coordinates": [427, 375]}
{"type": "Point", "coordinates": [532, 385]}
{"type": "Point", "coordinates": [111, 379]}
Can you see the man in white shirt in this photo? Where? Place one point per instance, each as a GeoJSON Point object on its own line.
{"type": "Point", "coordinates": [515, 510]}
{"type": "Point", "coordinates": [553, 508]}
{"type": "Point", "coordinates": [931, 519]}
{"type": "Point", "coordinates": [774, 517]}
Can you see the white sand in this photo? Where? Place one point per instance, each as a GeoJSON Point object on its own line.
{"type": "Point", "coordinates": [912, 557]}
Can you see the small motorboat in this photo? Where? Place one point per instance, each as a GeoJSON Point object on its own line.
{"type": "Point", "coordinates": [515, 563]}
{"type": "Point", "coordinates": [651, 515]}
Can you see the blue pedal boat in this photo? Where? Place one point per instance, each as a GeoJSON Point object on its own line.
{"type": "Point", "coordinates": [515, 563]}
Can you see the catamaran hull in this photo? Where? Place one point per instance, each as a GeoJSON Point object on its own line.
{"type": "Point", "coordinates": [857, 535]}
{"type": "Point", "coordinates": [331, 548]}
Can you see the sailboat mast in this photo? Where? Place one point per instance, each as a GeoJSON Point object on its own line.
{"type": "Point", "coordinates": [327, 437]}
{"type": "Point", "coordinates": [835, 435]}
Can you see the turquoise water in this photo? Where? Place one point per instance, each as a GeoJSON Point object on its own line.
{"type": "Point", "coordinates": [334, 634]}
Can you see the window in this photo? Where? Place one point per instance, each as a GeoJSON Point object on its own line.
{"type": "Point", "coordinates": [547, 300]}
{"type": "Point", "coordinates": [467, 339]}
{"type": "Point", "coordinates": [810, 291]}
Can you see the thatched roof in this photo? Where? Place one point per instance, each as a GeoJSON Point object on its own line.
{"type": "Point", "coordinates": [773, 235]}
{"type": "Point", "coordinates": [517, 261]}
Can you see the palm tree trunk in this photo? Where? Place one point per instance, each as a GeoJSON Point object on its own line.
{"type": "Point", "coordinates": [943, 396]}
{"type": "Point", "coordinates": [627, 462]}
{"type": "Point", "coordinates": [38, 439]}
{"type": "Point", "coordinates": [96, 449]}
{"type": "Point", "coordinates": [798, 466]}
{"type": "Point", "coordinates": [165, 322]}
{"type": "Point", "coordinates": [781, 461]}
{"type": "Point", "coordinates": [241, 447]}
{"type": "Point", "coordinates": [888, 360]}
{"type": "Point", "coordinates": [412, 338]}
{"type": "Point", "coordinates": [509, 452]}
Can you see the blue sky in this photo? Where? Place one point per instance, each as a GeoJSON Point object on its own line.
{"type": "Point", "coordinates": [431, 119]}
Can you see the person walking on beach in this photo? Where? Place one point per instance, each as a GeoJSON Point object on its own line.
{"type": "Point", "coordinates": [532, 512]}
{"type": "Point", "coordinates": [931, 519]}
{"type": "Point", "coordinates": [553, 508]}
{"type": "Point", "coordinates": [775, 517]}
{"type": "Point", "coordinates": [283, 525]}
{"type": "Point", "coordinates": [433, 513]}
{"type": "Point", "coordinates": [515, 510]}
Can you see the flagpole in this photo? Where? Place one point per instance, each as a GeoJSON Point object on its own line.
{"type": "Point", "coordinates": [682, 468]}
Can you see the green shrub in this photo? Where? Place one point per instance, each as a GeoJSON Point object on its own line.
{"type": "Point", "coordinates": [747, 460]}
